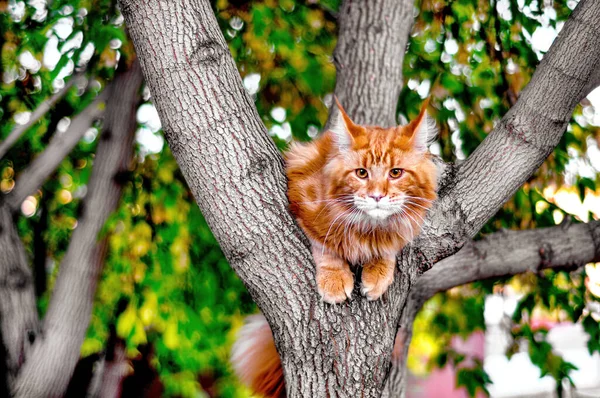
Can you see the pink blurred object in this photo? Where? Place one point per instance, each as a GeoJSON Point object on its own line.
{"type": "Point", "coordinates": [442, 382]}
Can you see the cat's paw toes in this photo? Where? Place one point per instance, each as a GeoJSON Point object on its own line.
{"type": "Point", "coordinates": [335, 286]}
{"type": "Point", "coordinates": [375, 283]}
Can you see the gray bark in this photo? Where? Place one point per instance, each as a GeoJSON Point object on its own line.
{"type": "Point", "coordinates": [368, 58]}
{"type": "Point", "coordinates": [19, 324]}
{"type": "Point", "coordinates": [522, 140]}
{"type": "Point", "coordinates": [54, 355]}
{"type": "Point", "coordinates": [36, 115]}
{"type": "Point", "coordinates": [568, 246]}
{"type": "Point", "coordinates": [473, 192]}
{"type": "Point", "coordinates": [237, 178]}
{"type": "Point", "coordinates": [59, 147]}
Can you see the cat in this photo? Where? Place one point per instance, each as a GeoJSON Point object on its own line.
{"type": "Point", "coordinates": [360, 194]}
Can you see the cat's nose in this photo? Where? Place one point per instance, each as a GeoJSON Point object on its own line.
{"type": "Point", "coordinates": [377, 198]}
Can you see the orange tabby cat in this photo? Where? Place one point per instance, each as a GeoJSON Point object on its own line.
{"type": "Point", "coordinates": [360, 194]}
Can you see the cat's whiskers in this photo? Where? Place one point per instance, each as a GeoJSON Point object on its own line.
{"type": "Point", "coordinates": [409, 202]}
{"type": "Point", "coordinates": [353, 217]}
{"type": "Point", "coordinates": [407, 224]}
{"type": "Point", "coordinates": [331, 202]}
{"type": "Point", "coordinates": [332, 224]}
{"type": "Point", "coordinates": [360, 211]}
{"type": "Point", "coordinates": [413, 211]}
{"type": "Point", "coordinates": [419, 198]}
{"type": "Point", "coordinates": [339, 198]}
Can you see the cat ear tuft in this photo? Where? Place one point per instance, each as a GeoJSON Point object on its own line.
{"type": "Point", "coordinates": [423, 130]}
{"type": "Point", "coordinates": [340, 126]}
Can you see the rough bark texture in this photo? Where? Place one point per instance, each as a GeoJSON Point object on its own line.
{"type": "Point", "coordinates": [237, 178]}
{"type": "Point", "coordinates": [397, 383]}
{"type": "Point", "coordinates": [59, 147]}
{"type": "Point", "coordinates": [19, 325]}
{"type": "Point", "coordinates": [36, 115]}
{"type": "Point", "coordinates": [54, 355]}
{"type": "Point", "coordinates": [368, 58]}
{"type": "Point", "coordinates": [568, 246]}
{"type": "Point", "coordinates": [513, 252]}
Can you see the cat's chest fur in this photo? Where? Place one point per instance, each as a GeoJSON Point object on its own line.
{"type": "Point", "coordinates": [354, 240]}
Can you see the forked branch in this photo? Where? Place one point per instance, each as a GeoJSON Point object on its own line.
{"type": "Point", "coordinates": [523, 139]}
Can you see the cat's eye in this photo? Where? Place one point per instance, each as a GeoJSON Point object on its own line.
{"type": "Point", "coordinates": [362, 173]}
{"type": "Point", "coordinates": [396, 173]}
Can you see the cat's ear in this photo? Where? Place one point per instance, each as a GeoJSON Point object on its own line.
{"type": "Point", "coordinates": [341, 126]}
{"type": "Point", "coordinates": [422, 130]}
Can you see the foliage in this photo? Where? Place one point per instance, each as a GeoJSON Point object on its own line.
{"type": "Point", "coordinates": [166, 283]}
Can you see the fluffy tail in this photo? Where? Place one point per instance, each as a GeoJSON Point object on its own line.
{"type": "Point", "coordinates": [255, 359]}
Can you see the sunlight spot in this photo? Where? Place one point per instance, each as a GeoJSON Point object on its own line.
{"type": "Point", "coordinates": [278, 114]}
{"type": "Point", "coordinates": [29, 206]}
{"type": "Point", "coordinates": [252, 83]}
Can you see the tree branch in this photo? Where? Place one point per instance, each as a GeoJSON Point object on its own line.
{"type": "Point", "coordinates": [36, 115]}
{"type": "Point", "coordinates": [514, 252]}
{"type": "Point", "coordinates": [53, 357]}
{"type": "Point", "coordinates": [504, 253]}
{"type": "Point", "coordinates": [520, 143]}
{"type": "Point", "coordinates": [59, 147]}
{"type": "Point", "coordinates": [368, 57]}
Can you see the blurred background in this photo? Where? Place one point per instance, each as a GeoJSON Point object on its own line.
{"type": "Point", "coordinates": [167, 299]}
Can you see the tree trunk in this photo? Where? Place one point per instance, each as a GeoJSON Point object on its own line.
{"type": "Point", "coordinates": [368, 57]}
{"type": "Point", "coordinates": [55, 354]}
{"type": "Point", "coordinates": [19, 321]}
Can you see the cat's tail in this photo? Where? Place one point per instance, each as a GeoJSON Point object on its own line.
{"type": "Point", "coordinates": [255, 359]}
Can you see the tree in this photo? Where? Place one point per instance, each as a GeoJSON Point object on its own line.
{"type": "Point", "coordinates": [166, 299]}
{"type": "Point", "coordinates": [236, 175]}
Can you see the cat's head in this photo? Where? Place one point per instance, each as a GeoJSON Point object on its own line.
{"type": "Point", "coordinates": [385, 172]}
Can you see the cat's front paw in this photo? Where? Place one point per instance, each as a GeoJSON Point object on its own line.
{"type": "Point", "coordinates": [376, 278]}
{"type": "Point", "coordinates": [335, 285]}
